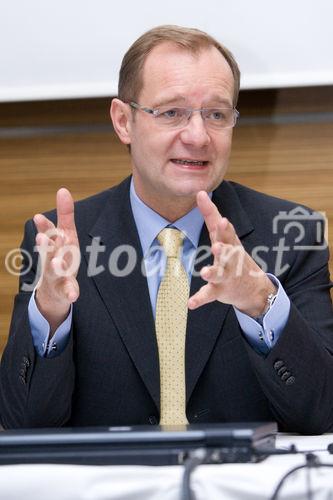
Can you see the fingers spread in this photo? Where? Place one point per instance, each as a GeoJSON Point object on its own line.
{"type": "Point", "coordinates": [208, 210]}
{"type": "Point", "coordinates": [50, 241]}
{"type": "Point", "coordinates": [43, 224]}
{"type": "Point", "coordinates": [70, 289]}
{"type": "Point", "coordinates": [220, 229]}
{"type": "Point", "coordinates": [66, 261]}
{"type": "Point", "coordinates": [226, 233]}
{"type": "Point", "coordinates": [46, 227]}
{"type": "Point", "coordinates": [45, 246]}
{"type": "Point", "coordinates": [57, 259]}
{"type": "Point", "coordinates": [213, 274]}
{"type": "Point", "coordinates": [205, 295]}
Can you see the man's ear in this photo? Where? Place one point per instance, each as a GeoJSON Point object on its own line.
{"type": "Point", "coordinates": [121, 118]}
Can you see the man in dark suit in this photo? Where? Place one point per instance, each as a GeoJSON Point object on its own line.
{"type": "Point", "coordinates": [84, 348]}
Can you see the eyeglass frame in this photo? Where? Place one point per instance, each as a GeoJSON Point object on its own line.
{"type": "Point", "coordinates": [155, 111]}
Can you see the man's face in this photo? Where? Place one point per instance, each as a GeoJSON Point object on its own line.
{"type": "Point", "coordinates": [176, 77]}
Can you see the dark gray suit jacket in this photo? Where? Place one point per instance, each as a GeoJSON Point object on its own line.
{"type": "Point", "coordinates": [109, 372]}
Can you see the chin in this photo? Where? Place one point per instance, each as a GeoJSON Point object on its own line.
{"type": "Point", "coordinates": [192, 188]}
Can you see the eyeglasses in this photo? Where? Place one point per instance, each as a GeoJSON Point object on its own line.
{"type": "Point", "coordinates": [174, 117]}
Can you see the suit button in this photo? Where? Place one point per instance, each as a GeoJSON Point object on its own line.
{"type": "Point", "coordinates": [152, 420]}
{"type": "Point", "coordinates": [290, 380]}
{"type": "Point", "coordinates": [277, 365]}
{"type": "Point", "coordinates": [26, 361]}
{"type": "Point", "coordinates": [285, 376]}
{"type": "Point", "coordinates": [22, 371]}
{"type": "Point", "coordinates": [282, 370]}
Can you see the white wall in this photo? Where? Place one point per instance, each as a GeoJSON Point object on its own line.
{"type": "Point", "coordinates": [51, 49]}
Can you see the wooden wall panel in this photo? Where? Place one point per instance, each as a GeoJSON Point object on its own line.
{"type": "Point", "coordinates": [292, 161]}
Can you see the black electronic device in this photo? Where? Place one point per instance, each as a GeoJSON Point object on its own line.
{"type": "Point", "coordinates": [141, 445]}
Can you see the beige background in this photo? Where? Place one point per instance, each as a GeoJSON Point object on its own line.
{"type": "Point", "coordinates": [283, 146]}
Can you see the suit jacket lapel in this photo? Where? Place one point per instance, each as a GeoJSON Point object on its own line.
{"type": "Point", "coordinates": [205, 324]}
{"type": "Point", "coordinates": [127, 297]}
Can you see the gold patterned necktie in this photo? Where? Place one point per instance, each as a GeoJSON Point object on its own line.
{"type": "Point", "coordinates": [170, 323]}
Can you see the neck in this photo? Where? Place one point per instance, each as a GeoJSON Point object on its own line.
{"type": "Point", "coordinates": [170, 209]}
{"type": "Point", "coordinates": [173, 213]}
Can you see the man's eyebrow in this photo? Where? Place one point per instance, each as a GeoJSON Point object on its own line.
{"type": "Point", "coordinates": [172, 100]}
{"type": "Point", "coordinates": [221, 101]}
{"type": "Point", "coordinates": [216, 99]}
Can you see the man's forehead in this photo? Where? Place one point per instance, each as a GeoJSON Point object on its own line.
{"type": "Point", "coordinates": [168, 52]}
{"type": "Point", "coordinates": [169, 66]}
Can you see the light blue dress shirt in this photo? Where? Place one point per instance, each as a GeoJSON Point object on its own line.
{"type": "Point", "coordinates": [262, 335]}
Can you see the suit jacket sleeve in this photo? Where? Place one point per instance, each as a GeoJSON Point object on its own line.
{"type": "Point", "coordinates": [30, 385]}
{"type": "Point", "coordinates": [297, 374]}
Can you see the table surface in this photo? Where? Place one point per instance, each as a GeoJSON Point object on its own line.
{"type": "Point", "coordinates": [227, 481]}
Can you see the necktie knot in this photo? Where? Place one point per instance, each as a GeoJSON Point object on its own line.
{"type": "Point", "coordinates": [171, 240]}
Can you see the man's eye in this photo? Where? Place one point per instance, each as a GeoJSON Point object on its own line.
{"type": "Point", "coordinates": [171, 113]}
{"type": "Point", "coordinates": [216, 115]}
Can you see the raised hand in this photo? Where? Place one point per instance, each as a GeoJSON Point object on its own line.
{"type": "Point", "coordinates": [234, 278]}
{"type": "Point", "coordinates": [58, 248]}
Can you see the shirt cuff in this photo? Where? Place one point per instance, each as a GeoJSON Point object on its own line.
{"type": "Point", "coordinates": [264, 335]}
{"type": "Point", "coordinates": [40, 331]}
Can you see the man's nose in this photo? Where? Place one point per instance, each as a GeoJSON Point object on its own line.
{"type": "Point", "coordinates": [195, 132]}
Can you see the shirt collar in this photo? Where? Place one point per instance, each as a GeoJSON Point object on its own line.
{"type": "Point", "coordinates": [149, 223]}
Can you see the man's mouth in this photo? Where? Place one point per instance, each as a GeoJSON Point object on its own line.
{"type": "Point", "coordinates": [190, 163]}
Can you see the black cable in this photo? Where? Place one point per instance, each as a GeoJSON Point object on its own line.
{"type": "Point", "coordinates": [197, 457]}
{"type": "Point", "coordinates": [200, 456]}
{"type": "Point", "coordinates": [312, 461]}
{"type": "Point", "coordinates": [308, 484]}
